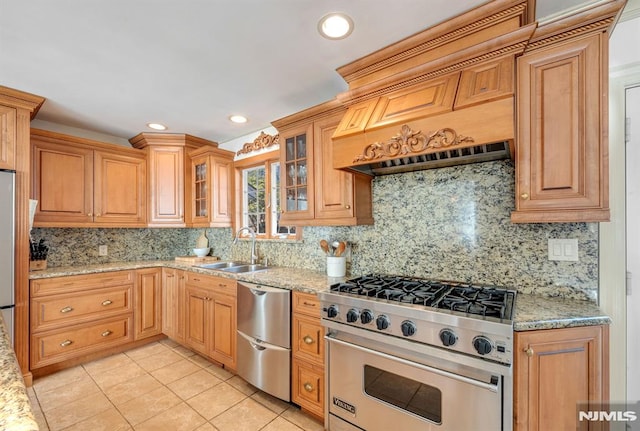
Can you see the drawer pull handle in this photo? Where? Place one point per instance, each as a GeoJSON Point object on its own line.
{"type": "Point", "coordinates": [308, 340]}
{"type": "Point", "coordinates": [529, 352]}
{"type": "Point", "coordinates": [309, 304]}
{"type": "Point", "coordinates": [107, 302]}
{"type": "Point", "coordinates": [524, 196]}
{"type": "Point", "coordinates": [308, 387]}
{"type": "Point", "coordinates": [66, 343]}
{"type": "Point", "coordinates": [66, 309]}
{"type": "Point", "coordinates": [170, 275]}
{"type": "Point", "coordinates": [107, 333]}
{"type": "Point", "coordinates": [196, 279]}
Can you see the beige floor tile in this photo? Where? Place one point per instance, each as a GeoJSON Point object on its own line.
{"type": "Point", "coordinates": [118, 375]}
{"type": "Point", "coordinates": [148, 405]}
{"type": "Point", "coordinates": [274, 404]}
{"type": "Point", "coordinates": [206, 427]}
{"type": "Point", "coordinates": [81, 388]}
{"type": "Point", "coordinates": [193, 384]}
{"type": "Point", "coordinates": [280, 424]}
{"type": "Point", "coordinates": [146, 350]}
{"type": "Point", "coordinates": [159, 360]}
{"type": "Point", "coordinates": [216, 400]}
{"type": "Point", "coordinates": [183, 351]}
{"type": "Point", "coordinates": [107, 363]}
{"type": "Point", "coordinates": [247, 415]}
{"type": "Point", "coordinates": [220, 372]}
{"type": "Point", "coordinates": [240, 384]}
{"type": "Point", "coordinates": [178, 418]}
{"type": "Point", "coordinates": [175, 371]}
{"type": "Point", "coordinates": [108, 420]}
{"type": "Point", "coordinates": [77, 411]}
{"type": "Point", "coordinates": [201, 360]}
{"type": "Point", "coordinates": [61, 378]}
{"type": "Point", "coordinates": [169, 343]}
{"type": "Point", "coordinates": [307, 423]}
{"type": "Point", "coordinates": [133, 388]}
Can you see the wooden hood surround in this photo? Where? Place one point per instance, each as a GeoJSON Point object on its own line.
{"type": "Point", "coordinates": [441, 97]}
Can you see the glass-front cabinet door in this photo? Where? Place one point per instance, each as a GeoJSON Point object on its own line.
{"type": "Point", "coordinates": [296, 154]}
{"type": "Point", "coordinates": [200, 171]}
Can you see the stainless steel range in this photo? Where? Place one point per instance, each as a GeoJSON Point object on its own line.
{"type": "Point", "coordinates": [409, 353]}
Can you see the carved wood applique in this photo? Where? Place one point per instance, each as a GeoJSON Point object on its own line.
{"type": "Point", "coordinates": [408, 141]}
{"type": "Point", "coordinates": [261, 142]}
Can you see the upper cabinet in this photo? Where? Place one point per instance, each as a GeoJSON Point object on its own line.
{"type": "Point", "coordinates": [169, 174]}
{"type": "Point", "coordinates": [562, 149]}
{"type": "Point", "coordinates": [211, 186]}
{"type": "Point", "coordinates": [312, 191]}
{"type": "Point", "coordinates": [78, 182]}
{"type": "Point", "coordinates": [8, 117]}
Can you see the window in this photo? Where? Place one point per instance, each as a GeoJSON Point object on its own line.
{"type": "Point", "coordinates": [259, 197]}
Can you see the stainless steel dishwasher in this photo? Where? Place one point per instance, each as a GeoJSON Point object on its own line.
{"type": "Point", "coordinates": [264, 338]}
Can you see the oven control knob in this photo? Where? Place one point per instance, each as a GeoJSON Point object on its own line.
{"type": "Point", "coordinates": [352, 315]}
{"type": "Point", "coordinates": [482, 345]}
{"type": "Point", "coordinates": [332, 311]}
{"type": "Point", "coordinates": [382, 322]}
{"type": "Point", "coordinates": [408, 328]}
{"type": "Point", "coordinates": [366, 317]}
{"type": "Point", "coordinates": [448, 337]}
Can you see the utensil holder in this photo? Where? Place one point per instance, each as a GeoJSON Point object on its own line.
{"type": "Point", "coordinates": [336, 266]}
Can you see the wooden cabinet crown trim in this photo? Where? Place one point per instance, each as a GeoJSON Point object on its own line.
{"type": "Point", "coordinates": [60, 138]}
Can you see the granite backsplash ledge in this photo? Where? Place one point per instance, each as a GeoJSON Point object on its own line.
{"type": "Point", "coordinates": [449, 223]}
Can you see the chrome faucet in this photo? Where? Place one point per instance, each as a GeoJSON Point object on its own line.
{"type": "Point", "coordinates": [254, 256]}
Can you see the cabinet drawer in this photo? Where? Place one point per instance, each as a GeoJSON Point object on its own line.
{"type": "Point", "coordinates": [306, 303]}
{"type": "Point", "coordinates": [221, 285]}
{"type": "Point", "coordinates": [59, 345]}
{"type": "Point", "coordinates": [307, 388]}
{"type": "Point", "coordinates": [74, 283]}
{"type": "Point", "coordinates": [308, 341]}
{"type": "Point", "coordinates": [66, 309]}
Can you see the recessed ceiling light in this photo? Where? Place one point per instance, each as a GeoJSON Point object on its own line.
{"type": "Point", "coordinates": [335, 25]}
{"type": "Point", "coordinates": [156, 126]}
{"type": "Point", "coordinates": [240, 119]}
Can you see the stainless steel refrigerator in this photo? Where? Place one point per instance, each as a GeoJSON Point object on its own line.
{"type": "Point", "coordinates": [7, 247]}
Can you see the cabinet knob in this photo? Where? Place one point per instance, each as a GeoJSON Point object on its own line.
{"type": "Point", "coordinates": [90, 214]}
{"type": "Point", "coordinates": [308, 387]}
{"type": "Point", "coordinates": [98, 215]}
{"type": "Point", "coordinates": [66, 309]}
{"type": "Point", "coordinates": [66, 343]}
{"type": "Point", "coordinates": [107, 302]}
{"type": "Point", "coordinates": [308, 340]}
{"type": "Point", "coordinates": [524, 196]}
{"type": "Point", "coordinates": [107, 333]}
{"type": "Point", "coordinates": [529, 352]}
{"type": "Point", "coordinates": [282, 211]}
{"type": "Point", "coordinates": [348, 207]}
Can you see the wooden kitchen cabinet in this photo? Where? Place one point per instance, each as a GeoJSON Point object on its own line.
{"type": "Point", "coordinates": [312, 191]}
{"type": "Point", "coordinates": [556, 369]}
{"type": "Point", "coordinates": [169, 174]}
{"type": "Point", "coordinates": [211, 187]}
{"type": "Point", "coordinates": [84, 183]}
{"type": "Point", "coordinates": [173, 312]}
{"type": "Point", "coordinates": [210, 317]}
{"type": "Point", "coordinates": [8, 120]}
{"type": "Point", "coordinates": [307, 368]}
{"type": "Point", "coordinates": [562, 149]}
{"type": "Point", "coordinates": [77, 315]}
{"type": "Point", "coordinates": [148, 303]}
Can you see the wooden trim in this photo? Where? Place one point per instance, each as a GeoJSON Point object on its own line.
{"type": "Point", "coordinates": [22, 100]}
{"type": "Point", "coordinates": [322, 110]}
{"type": "Point", "coordinates": [60, 138]}
{"type": "Point", "coordinates": [263, 141]}
{"type": "Point", "coordinates": [143, 140]}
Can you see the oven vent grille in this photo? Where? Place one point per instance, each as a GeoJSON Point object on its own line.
{"type": "Point", "coordinates": [458, 156]}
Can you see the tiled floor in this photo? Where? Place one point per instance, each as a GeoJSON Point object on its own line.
{"type": "Point", "coordinates": [160, 386]}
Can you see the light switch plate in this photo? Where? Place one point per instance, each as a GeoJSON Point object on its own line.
{"type": "Point", "coordinates": [103, 250]}
{"type": "Point", "coordinates": [563, 249]}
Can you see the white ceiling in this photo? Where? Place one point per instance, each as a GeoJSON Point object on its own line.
{"type": "Point", "coordinates": [111, 66]}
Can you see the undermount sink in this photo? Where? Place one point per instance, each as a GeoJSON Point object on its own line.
{"type": "Point", "coordinates": [233, 266]}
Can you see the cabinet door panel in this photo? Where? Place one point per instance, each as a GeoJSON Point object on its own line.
{"type": "Point", "coordinates": [148, 294]}
{"type": "Point", "coordinates": [224, 331]}
{"type": "Point", "coordinates": [167, 184]}
{"type": "Point", "coordinates": [8, 118]}
{"type": "Point", "coordinates": [197, 310]}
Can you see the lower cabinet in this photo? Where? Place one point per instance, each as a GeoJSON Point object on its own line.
{"type": "Point", "coordinates": [307, 368]}
{"type": "Point", "coordinates": [210, 317]}
{"type": "Point", "coordinates": [173, 313]}
{"type": "Point", "coordinates": [555, 370]}
{"type": "Point", "coordinates": [148, 300]}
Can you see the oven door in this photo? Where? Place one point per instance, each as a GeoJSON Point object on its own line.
{"type": "Point", "coordinates": [379, 391]}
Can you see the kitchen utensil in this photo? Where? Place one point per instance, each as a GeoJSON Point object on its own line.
{"type": "Point", "coordinates": [324, 245]}
{"type": "Point", "coordinates": [340, 248]}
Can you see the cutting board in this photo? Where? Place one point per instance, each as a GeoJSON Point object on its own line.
{"type": "Point", "coordinates": [195, 259]}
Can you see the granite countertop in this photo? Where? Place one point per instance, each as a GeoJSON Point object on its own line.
{"type": "Point", "coordinates": [15, 408]}
{"type": "Point", "coordinates": [531, 311]}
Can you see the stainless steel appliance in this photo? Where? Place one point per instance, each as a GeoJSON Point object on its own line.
{"type": "Point", "coordinates": [7, 247]}
{"type": "Point", "coordinates": [407, 353]}
{"type": "Point", "coordinates": [264, 338]}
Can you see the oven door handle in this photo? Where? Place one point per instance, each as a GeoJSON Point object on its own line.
{"type": "Point", "coordinates": [483, 385]}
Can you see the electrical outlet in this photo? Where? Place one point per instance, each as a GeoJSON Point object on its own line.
{"type": "Point", "coordinates": [563, 249]}
{"type": "Point", "coordinates": [102, 250]}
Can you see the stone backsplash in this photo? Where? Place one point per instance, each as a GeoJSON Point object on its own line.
{"type": "Point", "coordinates": [449, 223]}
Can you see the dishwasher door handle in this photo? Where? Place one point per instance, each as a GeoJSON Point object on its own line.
{"type": "Point", "coordinates": [257, 292]}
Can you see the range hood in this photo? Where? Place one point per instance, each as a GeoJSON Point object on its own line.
{"type": "Point", "coordinates": [442, 97]}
